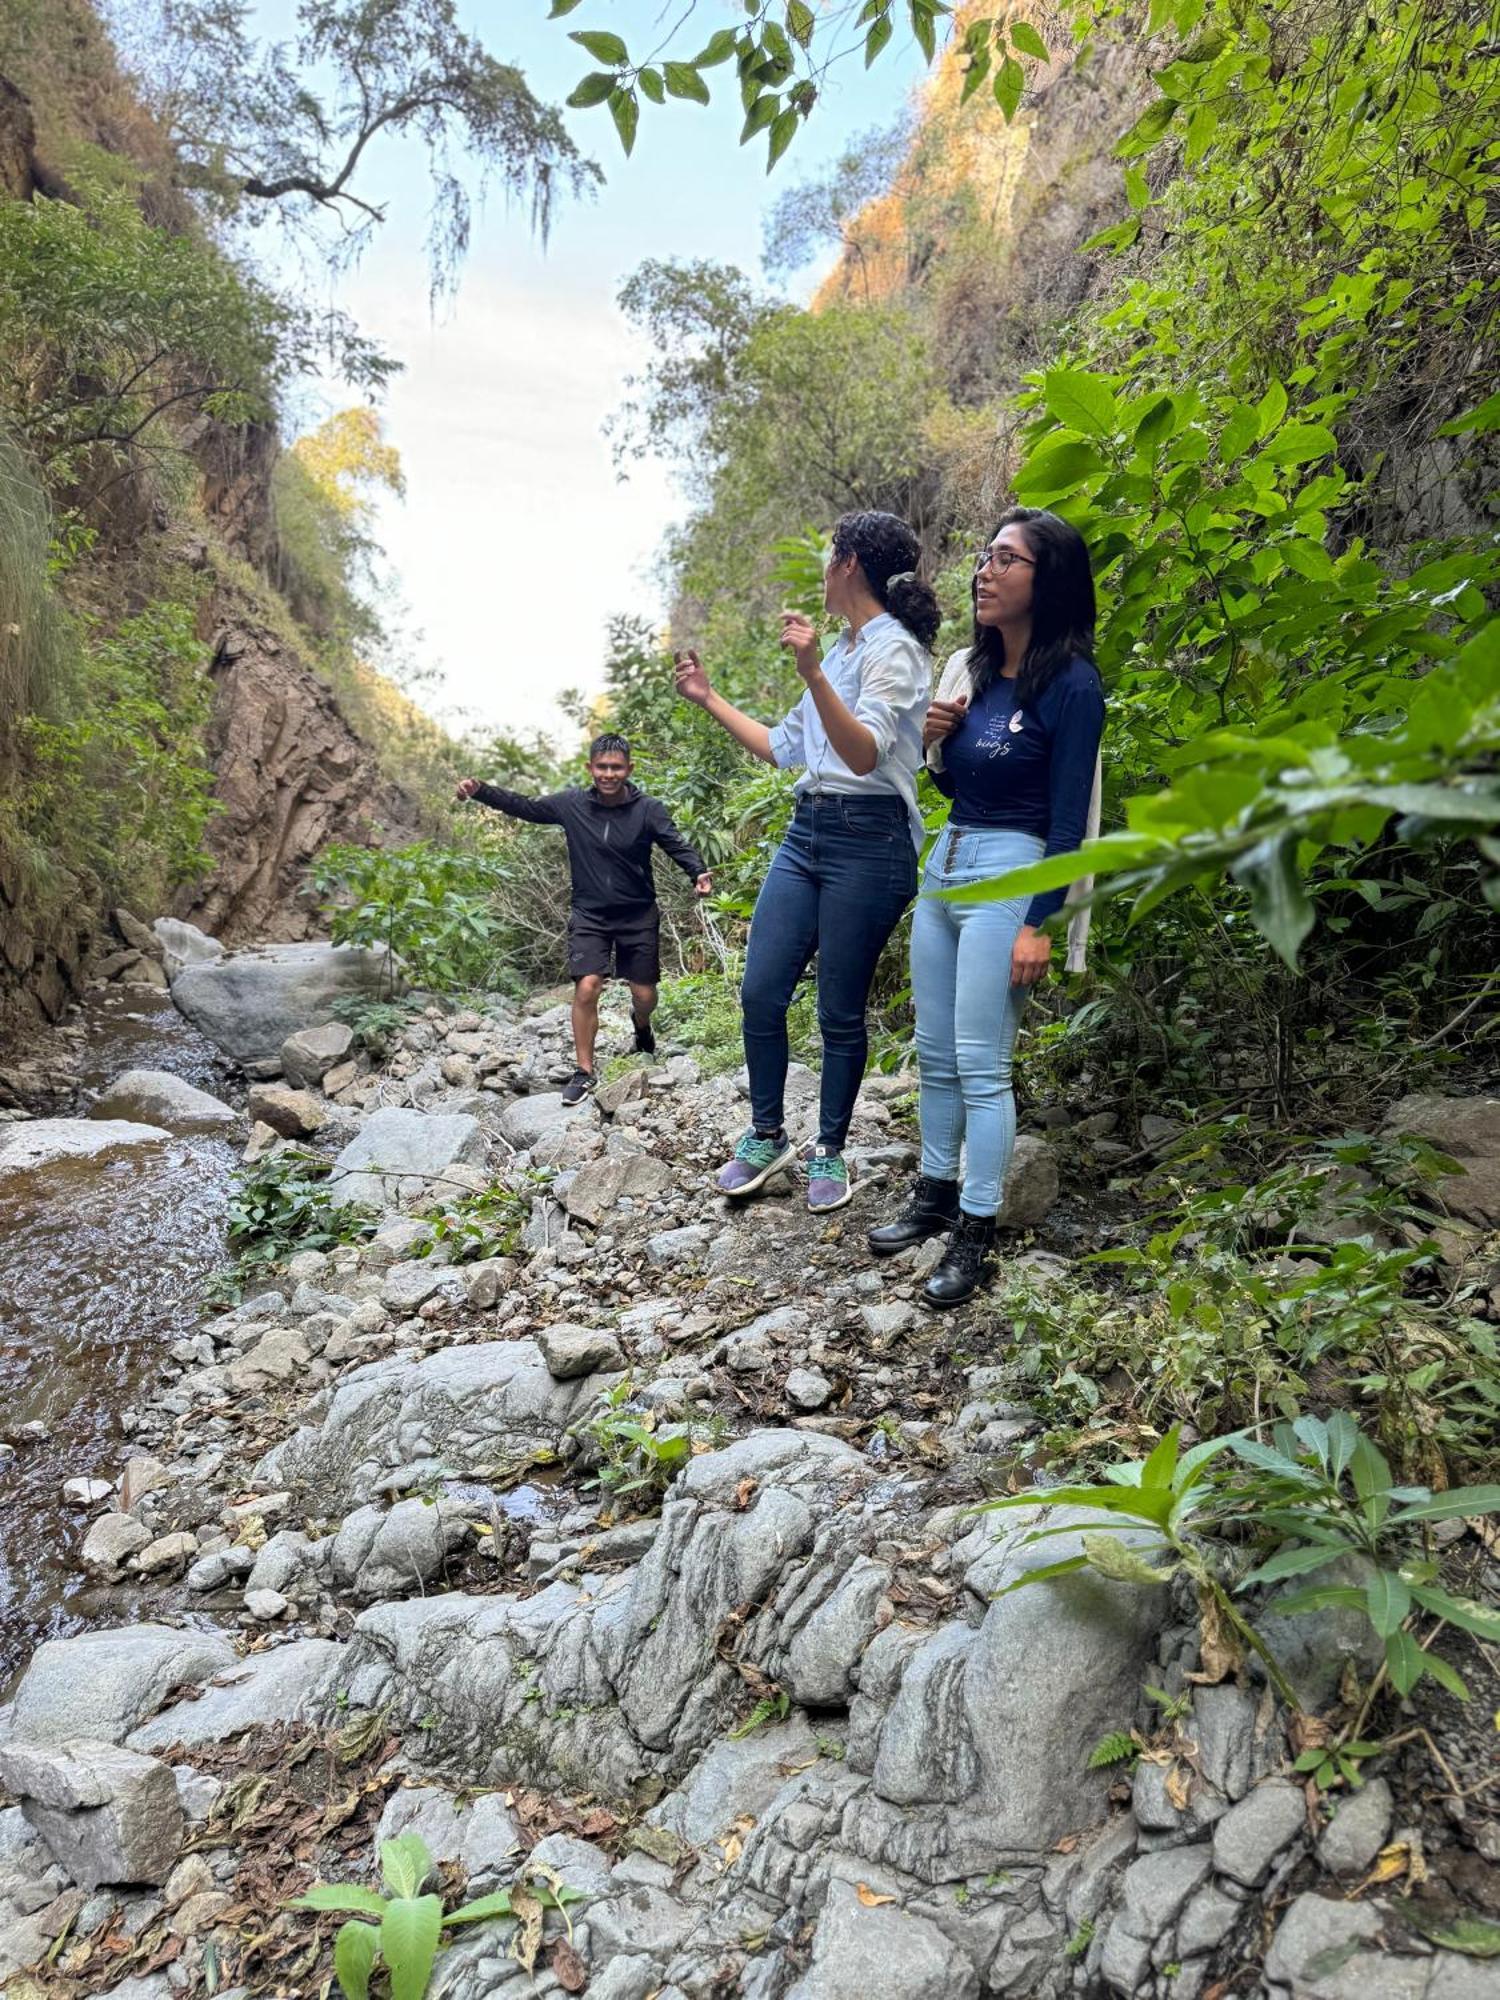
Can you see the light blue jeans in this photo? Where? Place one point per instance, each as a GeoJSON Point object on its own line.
{"type": "Point", "coordinates": [968, 1011]}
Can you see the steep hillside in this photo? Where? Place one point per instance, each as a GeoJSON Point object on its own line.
{"type": "Point", "coordinates": [222, 741]}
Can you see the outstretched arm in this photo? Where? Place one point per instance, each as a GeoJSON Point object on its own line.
{"type": "Point", "coordinates": [675, 844]}
{"type": "Point", "coordinates": [541, 812]}
{"type": "Point", "coordinates": [693, 685]}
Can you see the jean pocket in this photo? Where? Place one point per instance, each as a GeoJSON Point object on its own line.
{"type": "Point", "coordinates": [870, 823]}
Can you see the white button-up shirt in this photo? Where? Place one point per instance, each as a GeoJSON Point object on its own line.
{"type": "Point", "coordinates": [884, 678]}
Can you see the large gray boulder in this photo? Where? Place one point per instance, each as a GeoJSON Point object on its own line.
{"type": "Point", "coordinates": [527, 1122]}
{"type": "Point", "coordinates": [982, 1743]}
{"type": "Point", "coordinates": [250, 1003]}
{"type": "Point", "coordinates": [397, 1144]}
{"type": "Point", "coordinates": [1031, 1185]}
{"type": "Point", "coordinates": [282, 1685]}
{"type": "Point", "coordinates": [36, 1142]}
{"type": "Point", "coordinates": [156, 1097]}
{"type": "Point", "coordinates": [461, 1410]}
{"type": "Point", "coordinates": [859, 1950]}
{"type": "Point", "coordinates": [182, 944]}
{"type": "Point", "coordinates": [106, 1814]}
{"type": "Point", "coordinates": [379, 1554]}
{"type": "Point", "coordinates": [593, 1684]}
{"type": "Point", "coordinates": [1467, 1128]}
{"type": "Point", "coordinates": [102, 1684]}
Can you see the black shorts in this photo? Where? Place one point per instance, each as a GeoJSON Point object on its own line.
{"type": "Point", "coordinates": [634, 946]}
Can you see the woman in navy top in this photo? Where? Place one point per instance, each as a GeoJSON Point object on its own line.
{"type": "Point", "coordinates": [1013, 740]}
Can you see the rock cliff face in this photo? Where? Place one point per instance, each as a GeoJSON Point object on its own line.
{"type": "Point", "coordinates": [292, 777]}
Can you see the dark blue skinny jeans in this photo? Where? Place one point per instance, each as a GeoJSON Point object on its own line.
{"type": "Point", "coordinates": [836, 887]}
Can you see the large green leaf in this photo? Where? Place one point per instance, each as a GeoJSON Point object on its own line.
{"type": "Point", "coordinates": [1279, 903]}
{"type": "Point", "coordinates": [603, 47]}
{"type": "Point", "coordinates": [1458, 1503]}
{"type": "Point", "coordinates": [354, 1952]}
{"type": "Point", "coordinates": [481, 1910]}
{"type": "Point", "coordinates": [409, 1934]}
{"type": "Point", "coordinates": [1295, 1560]}
{"type": "Point", "coordinates": [1467, 1612]}
{"type": "Point", "coordinates": [340, 1896]}
{"type": "Point", "coordinates": [405, 1863]}
{"type": "Point", "coordinates": [1388, 1600]}
{"type": "Point", "coordinates": [1081, 401]}
{"type": "Point", "coordinates": [684, 81]}
{"type": "Point", "coordinates": [1404, 1661]}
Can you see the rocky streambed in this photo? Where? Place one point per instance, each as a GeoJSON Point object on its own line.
{"type": "Point", "coordinates": [386, 1548]}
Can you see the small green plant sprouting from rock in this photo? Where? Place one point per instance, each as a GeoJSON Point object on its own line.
{"type": "Point", "coordinates": [1081, 1939]}
{"type": "Point", "coordinates": [770, 1708]}
{"type": "Point", "coordinates": [1330, 1765]}
{"type": "Point", "coordinates": [485, 1225]}
{"type": "Point", "coordinates": [407, 1931]}
{"type": "Point", "coordinates": [375, 1023]}
{"type": "Point", "coordinates": [636, 1455]}
{"type": "Point", "coordinates": [1119, 1747]}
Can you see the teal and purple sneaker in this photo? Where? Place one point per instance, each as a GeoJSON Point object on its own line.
{"type": "Point", "coordinates": [827, 1182]}
{"type": "Point", "coordinates": [755, 1161]}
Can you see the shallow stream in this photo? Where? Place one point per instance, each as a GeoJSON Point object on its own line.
{"type": "Point", "coordinates": [101, 1268]}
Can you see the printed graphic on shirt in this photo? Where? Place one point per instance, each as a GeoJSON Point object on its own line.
{"type": "Point", "coordinates": [998, 730]}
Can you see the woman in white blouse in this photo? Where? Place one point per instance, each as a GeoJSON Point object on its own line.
{"type": "Point", "coordinates": [848, 866]}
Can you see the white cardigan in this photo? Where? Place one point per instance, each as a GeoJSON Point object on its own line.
{"type": "Point", "coordinates": [956, 680]}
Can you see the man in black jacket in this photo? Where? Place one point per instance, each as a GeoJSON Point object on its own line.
{"type": "Point", "coordinates": [611, 829]}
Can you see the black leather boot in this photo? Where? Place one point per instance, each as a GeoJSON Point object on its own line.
{"type": "Point", "coordinates": [965, 1262]}
{"type": "Point", "coordinates": [931, 1208]}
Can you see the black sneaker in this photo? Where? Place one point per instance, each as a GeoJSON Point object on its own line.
{"type": "Point", "coordinates": [578, 1086]}
{"type": "Point", "coordinates": [965, 1262]}
{"type": "Point", "coordinates": [645, 1041]}
{"type": "Point", "coordinates": [931, 1209]}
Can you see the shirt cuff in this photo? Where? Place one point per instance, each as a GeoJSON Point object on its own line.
{"type": "Point", "coordinates": [786, 753]}
{"type": "Point", "coordinates": [880, 719]}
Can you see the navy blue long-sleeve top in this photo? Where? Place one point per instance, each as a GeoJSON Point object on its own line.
{"type": "Point", "coordinates": [1030, 769]}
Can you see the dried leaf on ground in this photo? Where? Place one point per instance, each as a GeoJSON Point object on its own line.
{"type": "Point", "coordinates": [869, 1898]}
{"type": "Point", "coordinates": [567, 1968]}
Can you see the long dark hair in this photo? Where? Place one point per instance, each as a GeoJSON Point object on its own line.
{"type": "Point", "coordinates": [1062, 607]}
{"type": "Point", "coordinates": [888, 552]}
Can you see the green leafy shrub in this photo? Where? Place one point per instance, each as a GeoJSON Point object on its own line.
{"type": "Point", "coordinates": [431, 907]}
{"type": "Point", "coordinates": [281, 1205]}
{"type": "Point", "coordinates": [1322, 1493]}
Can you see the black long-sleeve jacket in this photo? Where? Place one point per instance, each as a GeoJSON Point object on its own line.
{"type": "Point", "coordinates": [609, 847]}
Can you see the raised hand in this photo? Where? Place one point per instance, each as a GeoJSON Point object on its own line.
{"type": "Point", "coordinates": [799, 636]}
{"type": "Point", "coordinates": [941, 719]}
{"type": "Point", "coordinates": [692, 679]}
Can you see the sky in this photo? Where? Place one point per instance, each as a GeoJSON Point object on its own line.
{"type": "Point", "coordinates": [515, 541]}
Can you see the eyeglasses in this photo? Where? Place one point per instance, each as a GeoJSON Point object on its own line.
{"type": "Point", "coordinates": [1003, 559]}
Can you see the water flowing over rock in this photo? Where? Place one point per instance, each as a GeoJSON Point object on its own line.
{"type": "Point", "coordinates": [37, 1142]}
{"type": "Point", "coordinates": [251, 1002]}
{"type": "Point", "coordinates": [156, 1097]}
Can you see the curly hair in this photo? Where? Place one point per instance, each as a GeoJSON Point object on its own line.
{"type": "Point", "coordinates": [1062, 607]}
{"type": "Point", "coordinates": [888, 552]}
